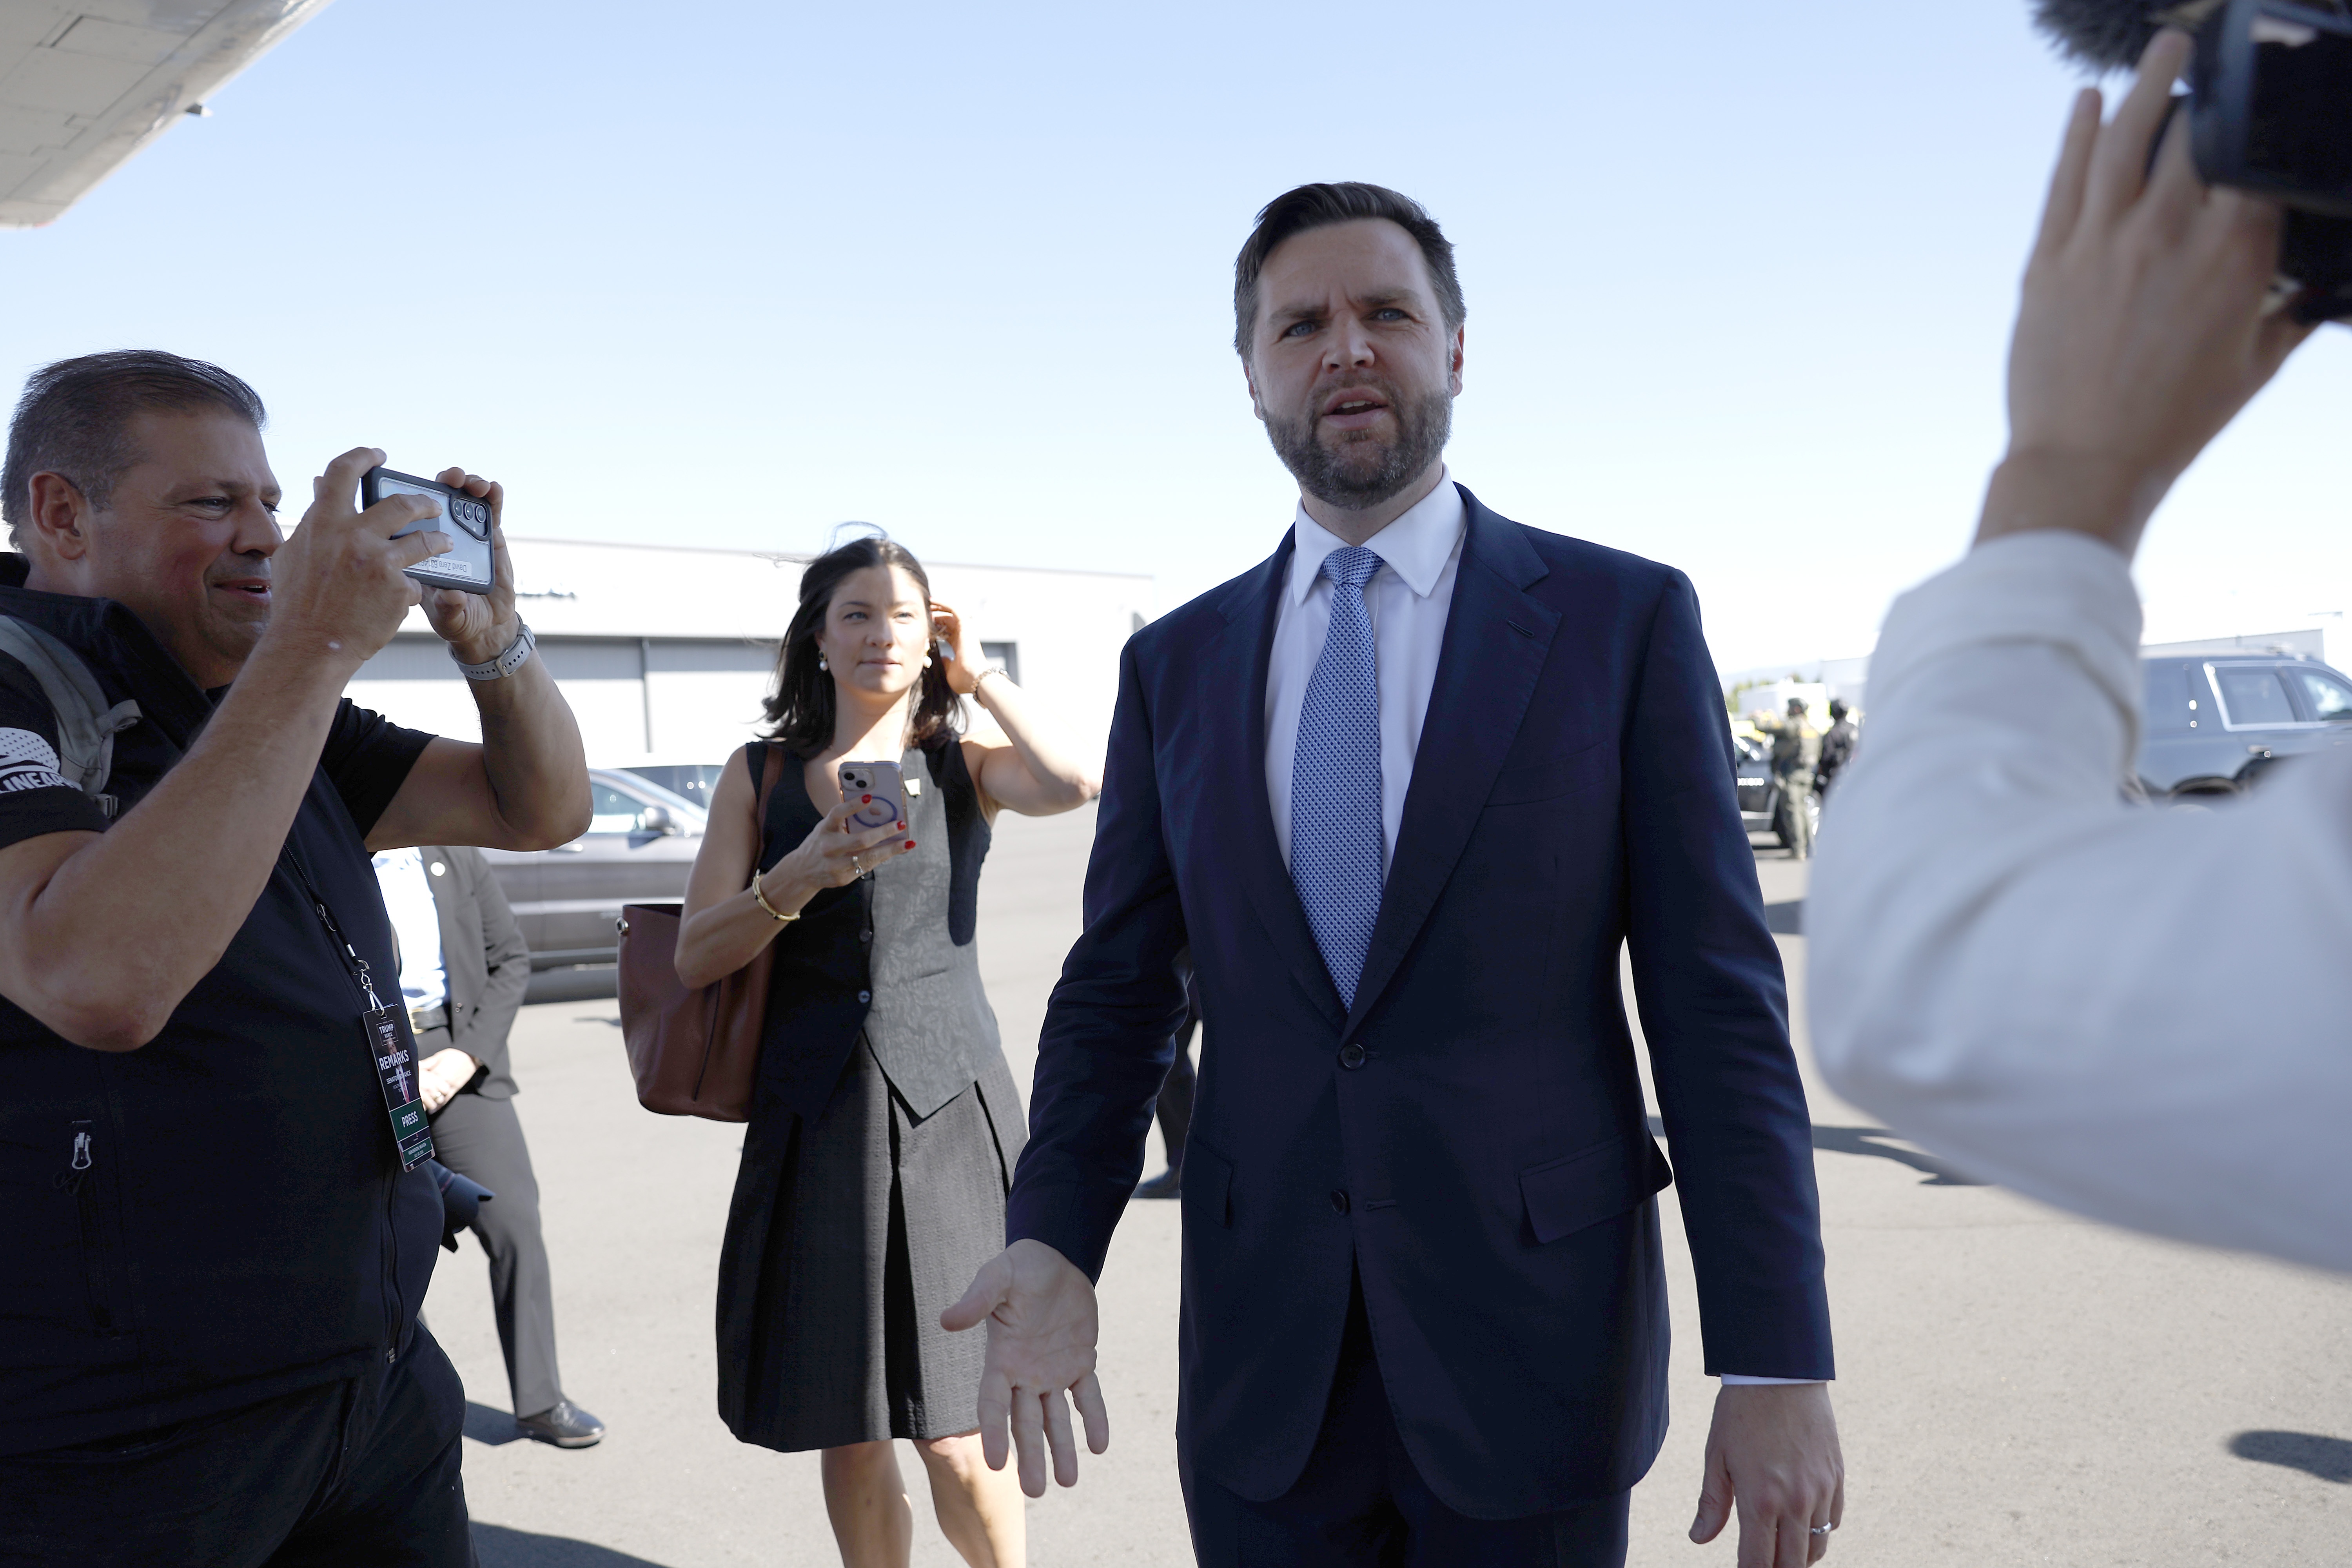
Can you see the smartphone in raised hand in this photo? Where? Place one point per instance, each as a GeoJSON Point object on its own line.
{"type": "Point", "coordinates": [468, 565]}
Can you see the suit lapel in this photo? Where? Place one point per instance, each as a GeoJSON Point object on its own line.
{"type": "Point", "coordinates": [1497, 639]}
{"type": "Point", "coordinates": [1235, 660]}
{"type": "Point", "coordinates": [445, 911]}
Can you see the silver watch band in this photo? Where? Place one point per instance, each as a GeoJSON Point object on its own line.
{"type": "Point", "coordinates": [507, 663]}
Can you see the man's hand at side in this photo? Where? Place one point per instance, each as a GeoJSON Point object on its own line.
{"type": "Point", "coordinates": [1041, 1329]}
{"type": "Point", "coordinates": [1774, 1453]}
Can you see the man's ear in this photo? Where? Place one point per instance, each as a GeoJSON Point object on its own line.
{"type": "Point", "coordinates": [1249, 378]}
{"type": "Point", "coordinates": [58, 518]}
{"type": "Point", "coordinates": [1453, 363]}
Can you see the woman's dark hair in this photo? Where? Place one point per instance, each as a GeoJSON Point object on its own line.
{"type": "Point", "coordinates": [800, 712]}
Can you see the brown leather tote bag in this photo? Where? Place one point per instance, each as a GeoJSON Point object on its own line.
{"type": "Point", "coordinates": [694, 1053]}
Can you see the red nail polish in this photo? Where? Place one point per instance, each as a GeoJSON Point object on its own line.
{"type": "Point", "coordinates": [866, 800]}
{"type": "Point", "coordinates": [911, 844]}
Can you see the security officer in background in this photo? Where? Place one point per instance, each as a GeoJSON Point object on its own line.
{"type": "Point", "coordinates": [1837, 747]}
{"type": "Point", "coordinates": [1796, 754]}
{"type": "Point", "coordinates": [463, 972]}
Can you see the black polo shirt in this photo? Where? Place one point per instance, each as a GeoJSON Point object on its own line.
{"type": "Point", "coordinates": [219, 1217]}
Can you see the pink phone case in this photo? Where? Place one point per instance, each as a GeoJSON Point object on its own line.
{"type": "Point", "coordinates": [884, 782]}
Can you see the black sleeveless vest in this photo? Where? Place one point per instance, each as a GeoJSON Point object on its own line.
{"type": "Point", "coordinates": [930, 1027]}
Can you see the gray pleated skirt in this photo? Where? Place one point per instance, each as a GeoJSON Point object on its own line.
{"type": "Point", "coordinates": [846, 1240]}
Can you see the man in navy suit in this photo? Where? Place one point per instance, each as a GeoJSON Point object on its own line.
{"type": "Point", "coordinates": [1405, 789]}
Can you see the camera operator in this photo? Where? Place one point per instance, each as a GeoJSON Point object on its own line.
{"type": "Point", "coordinates": [2002, 940]}
{"type": "Point", "coordinates": [214, 1258]}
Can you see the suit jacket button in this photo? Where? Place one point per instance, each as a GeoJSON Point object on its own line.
{"type": "Point", "coordinates": [1338, 1203]}
{"type": "Point", "coordinates": [1351, 1055]}
{"type": "Point", "coordinates": [866, 995]}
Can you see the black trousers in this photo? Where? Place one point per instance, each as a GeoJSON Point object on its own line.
{"type": "Point", "coordinates": [481, 1140]}
{"type": "Point", "coordinates": [356, 1474]}
{"type": "Point", "coordinates": [1361, 1504]}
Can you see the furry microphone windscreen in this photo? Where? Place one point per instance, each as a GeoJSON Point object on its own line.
{"type": "Point", "coordinates": [2111, 34]}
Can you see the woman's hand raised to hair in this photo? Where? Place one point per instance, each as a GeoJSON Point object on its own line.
{"type": "Point", "coordinates": [832, 857]}
{"type": "Point", "coordinates": [946, 627]}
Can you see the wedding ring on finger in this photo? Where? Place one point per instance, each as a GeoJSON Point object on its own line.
{"type": "Point", "coordinates": [857, 866]}
{"type": "Point", "coordinates": [1821, 1529]}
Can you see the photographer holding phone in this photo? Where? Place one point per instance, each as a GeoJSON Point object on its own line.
{"type": "Point", "coordinates": [887, 1124]}
{"type": "Point", "coordinates": [215, 1243]}
{"type": "Point", "coordinates": [1997, 931]}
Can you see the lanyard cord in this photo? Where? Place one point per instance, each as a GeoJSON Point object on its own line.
{"type": "Point", "coordinates": [290, 859]}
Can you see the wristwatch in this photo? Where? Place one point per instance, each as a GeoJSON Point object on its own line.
{"type": "Point", "coordinates": [507, 663]}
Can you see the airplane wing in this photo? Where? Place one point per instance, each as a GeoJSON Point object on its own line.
{"type": "Point", "coordinates": [86, 83]}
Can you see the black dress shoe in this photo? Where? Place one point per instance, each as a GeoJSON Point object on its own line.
{"type": "Point", "coordinates": [1168, 1184]}
{"type": "Point", "coordinates": [563, 1423]}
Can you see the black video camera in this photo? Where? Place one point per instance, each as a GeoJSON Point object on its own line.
{"type": "Point", "coordinates": [2270, 111]}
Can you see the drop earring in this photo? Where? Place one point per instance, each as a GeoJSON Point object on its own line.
{"type": "Point", "coordinates": [821, 664]}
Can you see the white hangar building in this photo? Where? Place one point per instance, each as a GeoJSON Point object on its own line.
{"type": "Point", "coordinates": [665, 653]}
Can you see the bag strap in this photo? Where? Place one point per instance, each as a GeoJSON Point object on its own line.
{"type": "Point", "coordinates": [756, 757]}
{"type": "Point", "coordinates": [86, 725]}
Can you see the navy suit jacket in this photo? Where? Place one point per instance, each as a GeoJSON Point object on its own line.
{"type": "Point", "coordinates": [1470, 1134]}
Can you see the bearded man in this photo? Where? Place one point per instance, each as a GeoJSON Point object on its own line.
{"type": "Point", "coordinates": [1405, 789]}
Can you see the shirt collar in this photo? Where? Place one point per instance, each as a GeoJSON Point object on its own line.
{"type": "Point", "coordinates": [1416, 546]}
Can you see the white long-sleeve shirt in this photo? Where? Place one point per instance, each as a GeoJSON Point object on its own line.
{"type": "Point", "coordinates": [2137, 1012]}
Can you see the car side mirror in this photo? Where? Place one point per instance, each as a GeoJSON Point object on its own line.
{"type": "Point", "coordinates": [656, 819]}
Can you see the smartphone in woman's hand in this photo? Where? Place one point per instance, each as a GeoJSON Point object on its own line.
{"type": "Point", "coordinates": [885, 783]}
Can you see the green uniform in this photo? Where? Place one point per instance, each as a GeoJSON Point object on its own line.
{"type": "Point", "coordinates": [1796, 755]}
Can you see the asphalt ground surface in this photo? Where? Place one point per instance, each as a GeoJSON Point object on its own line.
{"type": "Point", "coordinates": [2016, 1385]}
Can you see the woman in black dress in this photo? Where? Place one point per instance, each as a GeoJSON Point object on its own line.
{"type": "Point", "coordinates": [885, 1126]}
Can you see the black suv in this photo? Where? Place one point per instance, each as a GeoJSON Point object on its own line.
{"type": "Point", "coordinates": [2216, 723]}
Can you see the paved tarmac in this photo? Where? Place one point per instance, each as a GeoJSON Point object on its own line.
{"type": "Point", "coordinates": [2017, 1386]}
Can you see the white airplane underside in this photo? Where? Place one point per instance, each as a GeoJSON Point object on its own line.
{"type": "Point", "coordinates": [86, 83]}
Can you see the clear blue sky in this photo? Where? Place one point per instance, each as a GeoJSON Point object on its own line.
{"type": "Point", "coordinates": [1739, 280]}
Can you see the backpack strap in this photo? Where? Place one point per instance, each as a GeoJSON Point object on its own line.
{"type": "Point", "coordinates": [86, 725]}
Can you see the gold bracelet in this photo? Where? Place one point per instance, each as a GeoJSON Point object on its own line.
{"type": "Point", "coordinates": [981, 678]}
{"type": "Point", "coordinates": [773, 913]}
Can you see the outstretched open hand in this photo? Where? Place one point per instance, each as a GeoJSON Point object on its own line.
{"type": "Point", "coordinates": [1042, 1330]}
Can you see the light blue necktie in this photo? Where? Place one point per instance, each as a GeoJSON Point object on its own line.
{"type": "Point", "coordinates": [1335, 780]}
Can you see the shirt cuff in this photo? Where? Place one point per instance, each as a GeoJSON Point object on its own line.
{"type": "Point", "coordinates": [1735, 1379]}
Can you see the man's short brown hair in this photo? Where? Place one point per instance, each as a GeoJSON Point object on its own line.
{"type": "Point", "coordinates": [1317, 207]}
{"type": "Point", "coordinates": [75, 419]}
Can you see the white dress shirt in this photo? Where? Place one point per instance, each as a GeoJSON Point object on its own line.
{"type": "Point", "coordinates": [2135, 1012]}
{"type": "Point", "coordinates": [416, 924]}
{"type": "Point", "coordinates": [1409, 600]}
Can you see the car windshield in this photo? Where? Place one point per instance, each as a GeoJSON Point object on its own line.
{"type": "Point", "coordinates": [2252, 694]}
{"type": "Point", "coordinates": [2329, 697]}
{"type": "Point", "coordinates": [615, 810]}
{"type": "Point", "coordinates": [692, 781]}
